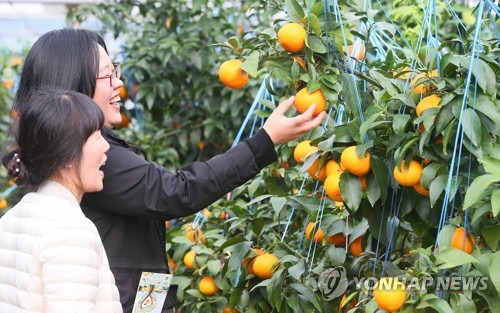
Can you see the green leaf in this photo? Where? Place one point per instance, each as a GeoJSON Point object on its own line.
{"type": "Point", "coordinates": [297, 270]}
{"type": "Point", "coordinates": [315, 43]}
{"type": "Point", "coordinates": [232, 241]}
{"type": "Point", "coordinates": [350, 187]}
{"type": "Point", "coordinates": [368, 124]}
{"type": "Point", "coordinates": [451, 257]}
{"type": "Point", "coordinates": [432, 301]}
{"type": "Point", "coordinates": [313, 23]}
{"type": "Point", "coordinates": [381, 173]}
{"type": "Point", "coordinates": [399, 123]}
{"type": "Point", "coordinates": [239, 252]}
{"type": "Point", "coordinates": [251, 64]}
{"type": "Point", "coordinates": [428, 174]}
{"type": "Point", "coordinates": [294, 10]}
{"type": "Point", "coordinates": [308, 294]}
{"type": "Point", "coordinates": [313, 85]}
{"type": "Point", "coordinates": [214, 267]}
{"type": "Point", "coordinates": [491, 165]}
{"type": "Point", "coordinates": [495, 202]}
{"type": "Point", "coordinates": [436, 188]}
{"type": "Point", "coordinates": [491, 235]}
{"type": "Point", "coordinates": [278, 203]}
{"type": "Point", "coordinates": [463, 305]}
{"type": "Point", "coordinates": [476, 189]}
{"type": "Point", "coordinates": [472, 126]}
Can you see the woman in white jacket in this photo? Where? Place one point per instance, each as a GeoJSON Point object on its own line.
{"type": "Point", "coordinates": [51, 256]}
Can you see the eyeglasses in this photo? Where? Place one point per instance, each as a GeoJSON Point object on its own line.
{"type": "Point", "coordinates": [115, 74]}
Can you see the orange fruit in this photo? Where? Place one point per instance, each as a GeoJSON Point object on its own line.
{"type": "Point", "coordinates": [356, 248]}
{"type": "Point", "coordinates": [318, 235]}
{"type": "Point", "coordinates": [354, 164]}
{"type": "Point", "coordinates": [7, 84]}
{"type": "Point", "coordinates": [408, 176]}
{"type": "Point", "coordinates": [125, 122]}
{"type": "Point", "coordinates": [231, 75]}
{"type": "Point", "coordinates": [190, 260]}
{"type": "Point", "coordinates": [207, 286]}
{"type": "Point", "coordinates": [421, 88]}
{"type": "Point", "coordinates": [171, 264]}
{"type": "Point", "coordinates": [421, 190]}
{"type": "Point", "coordinates": [302, 150]}
{"type": "Point", "coordinates": [332, 166]}
{"type": "Point", "coordinates": [389, 294]}
{"type": "Point", "coordinates": [167, 224]}
{"type": "Point", "coordinates": [16, 61]}
{"type": "Point", "coordinates": [263, 264]}
{"type": "Point", "coordinates": [292, 37]}
{"type": "Point", "coordinates": [315, 172]}
{"type": "Point", "coordinates": [195, 236]}
{"type": "Point", "coordinates": [228, 310]}
{"type": "Point", "coordinates": [301, 63]}
{"type": "Point", "coordinates": [431, 101]}
{"type": "Point", "coordinates": [349, 306]}
{"type": "Point", "coordinates": [250, 260]}
{"type": "Point", "coordinates": [403, 76]}
{"type": "Point", "coordinates": [3, 203]}
{"type": "Point", "coordinates": [206, 213]}
{"type": "Point", "coordinates": [303, 100]}
{"type": "Point", "coordinates": [356, 51]}
{"type": "Point", "coordinates": [123, 92]}
{"type": "Point", "coordinates": [459, 242]}
{"type": "Point", "coordinates": [332, 186]}
{"type": "Point", "coordinates": [337, 239]}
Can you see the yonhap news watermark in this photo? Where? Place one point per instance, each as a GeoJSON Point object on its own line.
{"type": "Point", "coordinates": [333, 282]}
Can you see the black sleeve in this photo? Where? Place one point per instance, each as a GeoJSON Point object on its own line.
{"type": "Point", "coordinates": [136, 187]}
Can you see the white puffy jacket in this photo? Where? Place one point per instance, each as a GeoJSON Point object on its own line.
{"type": "Point", "coordinates": [52, 258]}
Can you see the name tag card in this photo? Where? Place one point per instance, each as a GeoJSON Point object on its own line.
{"type": "Point", "coordinates": [152, 292]}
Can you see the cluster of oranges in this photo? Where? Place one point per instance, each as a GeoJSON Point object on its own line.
{"type": "Point", "coordinates": [262, 264]}
{"type": "Point", "coordinates": [292, 38]}
{"type": "Point", "coordinates": [330, 173]}
{"type": "Point", "coordinates": [338, 239]}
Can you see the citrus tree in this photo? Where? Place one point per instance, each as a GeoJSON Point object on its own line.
{"type": "Point", "coordinates": [399, 183]}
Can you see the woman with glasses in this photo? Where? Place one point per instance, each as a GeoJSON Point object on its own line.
{"type": "Point", "coordinates": [51, 256]}
{"type": "Point", "coordinates": [139, 195]}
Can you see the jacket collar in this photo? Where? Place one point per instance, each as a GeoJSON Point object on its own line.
{"type": "Point", "coordinates": [53, 188]}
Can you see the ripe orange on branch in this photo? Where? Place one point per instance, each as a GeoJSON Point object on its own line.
{"type": "Point", "coordinates": [247, 263]}
{"type": "Point", "coordinates": [231, 75]}
{"type": "Point", "coordinates": [431, 101]}
{"type": "Point", "coordinates": [356, 247]}
{"type": "Point", "coordinates": [332, 186]}
{"type": "Point", "coordinates": [190, 260]}
{"type": "Point", "coordinates": [263, 264]}
{"type": "Point", "coordinates": [462, 241]}
{"type": "Point", "coordinates": [292, 37]}
{"type": "Point", "coordinates": [207, 286]}
{"type": "Point", "coordinates": [389, 294]}
{"type": "Point", "coordinates": [421, 88]}
{"type": "Point", "coordinates": [302, 150]}
{"type": "Point", "coordinates": [351, 162]}
{"type": "Point", "coordinates": [318, 235]}
{"type": "Point", "coordinates": [408, 176]}
{"type": "Point", "coordinates": [316, 172]}
{"type": "Point", "coordinates": [303, 100]}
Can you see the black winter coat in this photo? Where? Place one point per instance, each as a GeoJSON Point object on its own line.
{"type": "Point", "coordinates": [138, 197]}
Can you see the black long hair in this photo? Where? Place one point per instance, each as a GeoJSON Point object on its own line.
{"type": "Point", "coordinates": [66, 58]}
{"type": "Point", "coordinates": [51, 132]}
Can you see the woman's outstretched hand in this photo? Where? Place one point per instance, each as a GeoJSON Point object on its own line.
{"type": "Point", "coordinates": [282, 129]}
